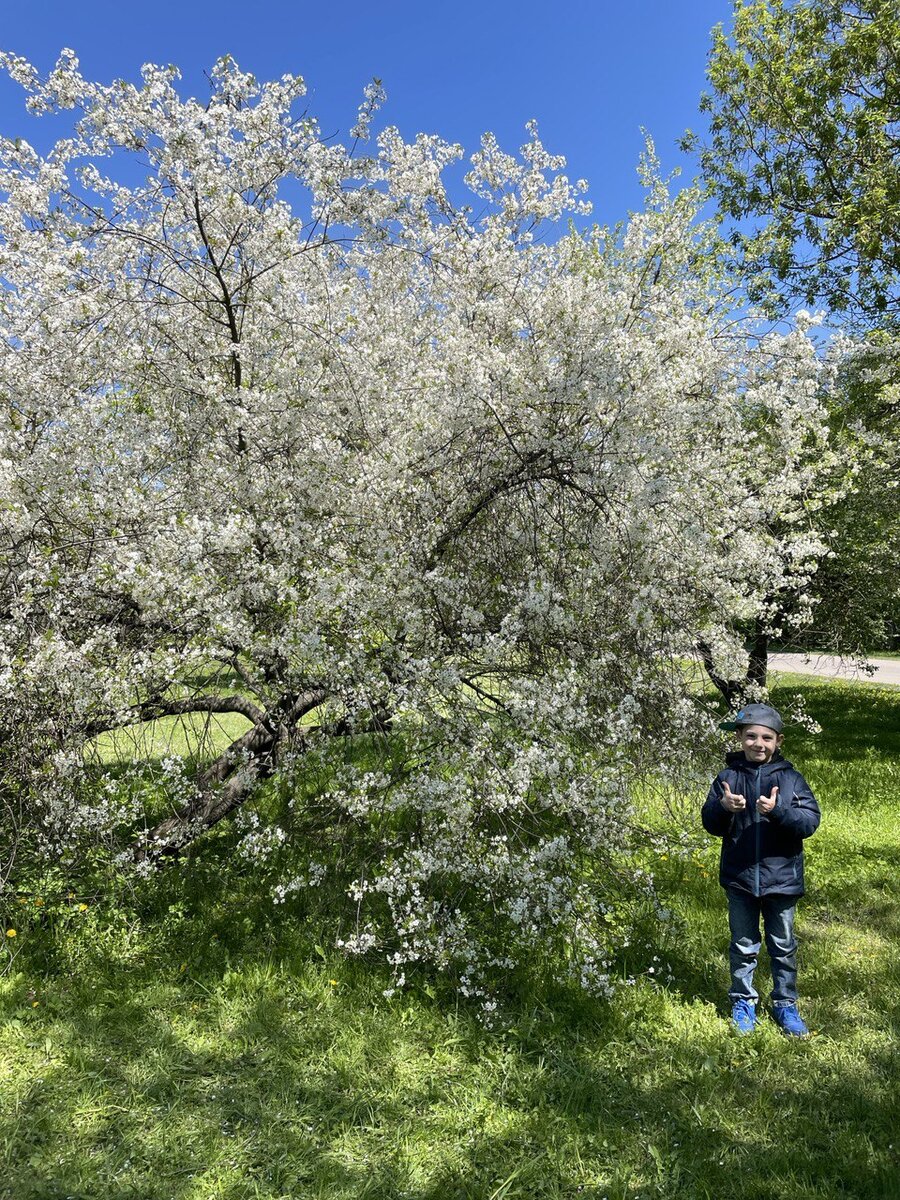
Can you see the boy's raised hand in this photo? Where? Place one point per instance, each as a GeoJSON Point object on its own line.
{"type": "Point", "coordinates": [731, 800]}
{"type": "Point", "coordinates": [765, 804]}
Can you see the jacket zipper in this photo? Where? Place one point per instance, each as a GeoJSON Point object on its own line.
{"type": "Point", "coordinates": [756, 822]}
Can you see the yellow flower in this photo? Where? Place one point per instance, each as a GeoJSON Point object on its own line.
{"type": "Point", "coordinates": [333, 982]}
{"type": "Point", "coordinates": [82, 908]}
{"type": "Point", "coordinates": [10, 933]}
{"type": "Point", "coordinates": [35, 1003]}
{"type": "Point", "coordinates": [38, 900]}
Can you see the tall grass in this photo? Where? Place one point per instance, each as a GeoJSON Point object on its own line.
{"type": "Point", "coordinates": [200, 1044]}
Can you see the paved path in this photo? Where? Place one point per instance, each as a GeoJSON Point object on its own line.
{"type": "Point", "coordinates": [887, 670]}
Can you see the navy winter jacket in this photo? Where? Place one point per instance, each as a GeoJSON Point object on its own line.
{"type": "Point", "coordinates": [762, 855]}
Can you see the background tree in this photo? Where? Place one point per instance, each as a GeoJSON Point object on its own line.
{"type": "Point", "coordinates": [803, 156]}
{"type": "Point", "coordinates": [804, 148]}
{"type": "Point", "coordinates": [858, 582]}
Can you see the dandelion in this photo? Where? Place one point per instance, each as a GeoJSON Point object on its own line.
{"type": "Point", "coordinates": [82, 908]}
{"type": "Point", "coordinates": [10, 933]}
{"type": "Point", "coordinates": [333, 982]}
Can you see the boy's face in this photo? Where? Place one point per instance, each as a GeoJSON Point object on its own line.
{"type": "Point", "coordinates": [759, 743]}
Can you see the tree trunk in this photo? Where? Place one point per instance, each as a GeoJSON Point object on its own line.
{"type": "Point", "coordinates": [229, 780]}
{"type": "Point", "coordinates": [735, 690]}
{"type": "Point", "coordinates": [758, 670]}
{"type": "Point", "coordinates": [233, 777]}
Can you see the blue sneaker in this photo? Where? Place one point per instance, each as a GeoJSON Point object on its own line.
{"type": "Point", "coordinates": [789, 1020]}
{"type": "Point", "coordinates": [743, 1016]}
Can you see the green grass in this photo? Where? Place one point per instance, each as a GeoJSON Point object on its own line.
{"type": "Point", "coordinates": [207, 1048]}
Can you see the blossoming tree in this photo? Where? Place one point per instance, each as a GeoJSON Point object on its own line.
{"type": "Point", "coordinates": [429, 501]}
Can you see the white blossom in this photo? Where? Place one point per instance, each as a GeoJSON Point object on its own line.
{"type": "Point", "coordinates": [284, 429]}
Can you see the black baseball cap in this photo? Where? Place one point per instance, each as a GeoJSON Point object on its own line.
{"type": "Point", "coordinates": [755, 714]}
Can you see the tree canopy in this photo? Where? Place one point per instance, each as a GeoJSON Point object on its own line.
{"type": "Point", "coordinates": [804, 148]}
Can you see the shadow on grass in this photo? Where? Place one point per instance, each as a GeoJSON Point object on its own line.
{"type": "Point", "coordinates": [271, 1079]}
{"type": "Point", "coordinates": [855, 721]}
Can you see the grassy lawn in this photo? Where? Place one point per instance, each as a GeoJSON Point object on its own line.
{"type": "Point", "coordinates": [217, 1052]}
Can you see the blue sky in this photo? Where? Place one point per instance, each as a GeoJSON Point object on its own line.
{"type": "Point", "coordinates": [591, 73]}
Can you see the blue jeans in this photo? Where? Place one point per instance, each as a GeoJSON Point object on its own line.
{"type": "Point", "coordinates": [777, 913]}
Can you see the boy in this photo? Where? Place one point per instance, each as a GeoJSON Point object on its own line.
{"type": "Point", "coordinates": [762, 809]}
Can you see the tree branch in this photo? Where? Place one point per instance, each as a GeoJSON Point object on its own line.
{"type": "Point", "coordinates": [228, 780]}
{"type": "Point", "coordinates": [151, 710]}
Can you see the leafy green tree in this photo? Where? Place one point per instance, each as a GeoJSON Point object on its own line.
{"type": "Point", "coordinates": [803, 157]}
{"type": "Point", "coordinates": [858, 583]}
{"type": "Point", "coordinates": [804, 148]}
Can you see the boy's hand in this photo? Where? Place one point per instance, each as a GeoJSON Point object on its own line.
{"type": "Point", "coordinates": [730, 800]}
{"type": "Point", "coordinates": [765, 804]}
